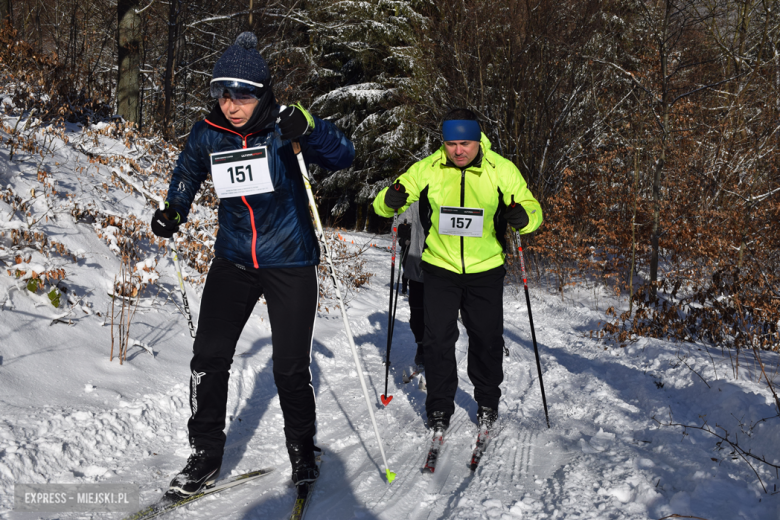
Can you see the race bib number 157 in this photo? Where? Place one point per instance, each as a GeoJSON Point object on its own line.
{"type": "Point", "coordinates": [463, 222]}
{"type": "Point", "coordinates": [241, 172]}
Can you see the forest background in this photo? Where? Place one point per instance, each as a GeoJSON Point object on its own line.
{"type": "Point", "coordinates": [647, 129]}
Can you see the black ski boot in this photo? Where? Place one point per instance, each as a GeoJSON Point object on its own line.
{"type": "Point", "coordinates": [303, 461]}
{"type": "Point", "coordinates": [419, 358]}
{"type": "Point", "coordinates": [486, 417]}
{"type": "Point", "coordinates": [439, 421]}
{"type": "Point", "coordinates": [201, 471]}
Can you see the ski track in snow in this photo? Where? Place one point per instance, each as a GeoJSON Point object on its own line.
{"type": "Point", "coordinates": [69, 415]}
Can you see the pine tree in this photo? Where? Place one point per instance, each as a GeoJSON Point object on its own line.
{"type": "Point", "coordinates": [363, 58]}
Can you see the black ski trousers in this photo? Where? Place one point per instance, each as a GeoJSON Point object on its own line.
{"type": "Point", "coordinates": [479, 297]}
{"type": "Point", "coordinates": [229, 296]}
{"type": "Point", "coordinates": [404, 279]}
{"type": "Point", "coordinates": [417, 309]}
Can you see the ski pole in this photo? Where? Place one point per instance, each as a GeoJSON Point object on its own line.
{"type": "Point", "coordinates": [531, 319]}
{"type": "Point", "coordinates": [390, 315]}
{"type": "Point", "coordinates": [176, 263]}
{"type": "Point", "coordinates": [391, 327]}
{"type": "Point", "coordinates": [332, 271]}
{"type": "Point", "coordinates": [397, 285]}
{"type": "Point", "coordinates": [402, 263]}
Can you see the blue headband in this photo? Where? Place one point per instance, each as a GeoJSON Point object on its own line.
{"type": "Point", "coordinates": [461, 130]}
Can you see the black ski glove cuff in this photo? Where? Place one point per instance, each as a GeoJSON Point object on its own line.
{"type": "Point", "coordinates": [395, 196]}
{"type": "Point", "coordinates": [165, 222]}
{"type": "Point", "coordinates": [516, 215]}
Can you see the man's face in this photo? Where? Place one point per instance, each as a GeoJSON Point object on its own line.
{"type": "Point", "coordinates": [461, 153]}
{"type": "Point", "coordinates": [237, 111]}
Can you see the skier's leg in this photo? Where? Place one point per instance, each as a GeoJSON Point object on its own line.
{"type": "Point", "coordinates": [442, 299]}
{"type": "Point", "coordinates": [229, 296]}
{"type": "Point", "coordinates": [292, 294]}
{"type": "Point", "coordinates": [483, 317]}
{"type": "Point", "coordinates": [417, 309]}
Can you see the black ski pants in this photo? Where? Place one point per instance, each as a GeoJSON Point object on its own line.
{"type": "Point", "coordinates": [229, 296]}
{"type": "Point", "coordinates": [404, 279]}
{"type": "Point", "coordinates": [417, 309]}
{"type": "Point", "coordinates": [479, 298]}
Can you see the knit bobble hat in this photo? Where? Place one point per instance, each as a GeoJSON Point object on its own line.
{"type": "Point", "coordinates": [242, 62]}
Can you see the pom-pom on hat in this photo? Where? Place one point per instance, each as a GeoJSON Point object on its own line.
{"type": "Point", "coordinates": [242, 62]}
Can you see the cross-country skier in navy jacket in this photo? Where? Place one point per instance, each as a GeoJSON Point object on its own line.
{"type": "Point", "coordinates": [266, 246]}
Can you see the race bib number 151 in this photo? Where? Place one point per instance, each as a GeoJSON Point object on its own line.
{"type": "Point", "coordinates": [463, 222]}
{"type": "Point", "coordinates": [241, 172]}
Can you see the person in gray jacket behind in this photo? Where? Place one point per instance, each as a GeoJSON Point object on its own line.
{"type": "Point", "coordinates": [413, 271]}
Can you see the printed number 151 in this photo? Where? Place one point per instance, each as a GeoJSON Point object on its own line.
{"type": "Point", "coordinates": [239, 174]}
{"type": "Point", "coordinates": [459, 222]}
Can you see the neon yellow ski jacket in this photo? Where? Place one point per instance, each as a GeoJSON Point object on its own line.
{"type": "Point", "coordinates": [490, 186]}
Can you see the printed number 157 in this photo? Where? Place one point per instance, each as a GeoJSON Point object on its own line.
{"type": "Point", "coordinates": [459, 222]}
{"type": "Point", "coordinates": [239, 174]}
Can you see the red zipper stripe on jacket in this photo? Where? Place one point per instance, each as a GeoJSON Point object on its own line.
{"type": "Point", "coordinates": [254, 232]}
{"type": "Point", "coordinates": [251, 213]}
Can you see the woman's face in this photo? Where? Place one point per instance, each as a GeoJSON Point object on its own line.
{"type": "Point", "coordinates": [237, 111]}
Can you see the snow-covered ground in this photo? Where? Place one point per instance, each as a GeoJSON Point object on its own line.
{"type": "Point", "coordinates": [69, 415]}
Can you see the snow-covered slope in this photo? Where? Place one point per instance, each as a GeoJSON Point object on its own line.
{"type": "Point", "coordinates": [69, 415]}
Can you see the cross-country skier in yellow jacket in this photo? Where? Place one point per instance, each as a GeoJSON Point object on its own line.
{"type": "Point", "coordinates": [467, 194]}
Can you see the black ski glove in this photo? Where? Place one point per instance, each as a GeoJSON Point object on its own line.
{"type": "Point", "coordinates": [295, 122]}
{"type": "Point", "coordinates": [516, 215]}
{"type": "Point", "coordinates": [395, 196]}
{"type": "Point", "coordinates": [165, 222]}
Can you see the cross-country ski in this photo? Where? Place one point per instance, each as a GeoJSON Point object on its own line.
{"type": "Point", "coordinates": [433, 453]}
{"type": "Point", "coordinates": [304, 492]}
{"type": "Point", "coordinates": [413, 372]}
{"type": "Point", "coordinates": [172, 500]}
{"type": "Point", "coordinates": [479, 449]}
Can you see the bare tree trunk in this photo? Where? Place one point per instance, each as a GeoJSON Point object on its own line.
{"type": "Point", "coordinates": [359, 221]}
{"type": "Point", "coordinates": [5, 12]}
{"type": "Point", "coordinates": [660, 163]}
{"type": "Point", "coordinates": [128, 85]}
{"type": "Point", "coordinates": [170, 64]}
{"type": "Point", "coordinates": [635, 194]}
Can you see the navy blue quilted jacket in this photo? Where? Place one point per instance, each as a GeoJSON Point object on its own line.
{"type": "Point", "coordinates": [268, 229]}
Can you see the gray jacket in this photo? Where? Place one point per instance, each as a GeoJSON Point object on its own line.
{"type": "Point", "coordinates": [412, 264]}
